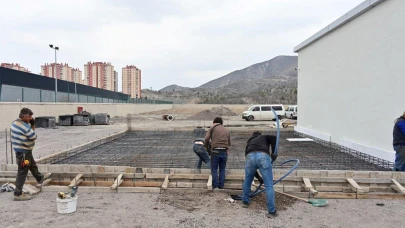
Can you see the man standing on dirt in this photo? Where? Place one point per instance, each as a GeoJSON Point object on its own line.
{"type": "Point", "coordinates": [220, 143]}
{"type": "Point", "coordinates": [399, 143]}
{"type": "Point", "coordinates": [258, 158]}
{"type": "Point", "coordinates": [23, 139]}
{"type": "Point", "coordinates": [202, 154]}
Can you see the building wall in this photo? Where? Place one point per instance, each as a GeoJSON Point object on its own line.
{"type": "Point", "coordinates": [115, 81]}
{"type": "Point", "coordinates": [351, 82]}
{"type": "Point", "coordinates": [10, 111]}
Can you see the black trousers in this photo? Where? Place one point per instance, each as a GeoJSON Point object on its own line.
{"type": "Point", "coordinates": [23, 171]}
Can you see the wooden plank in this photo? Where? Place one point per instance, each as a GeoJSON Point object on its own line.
{"type": "Point", "coordinates": [398, 187]}
{"type": "Point", "coordinates": [209, 183]}
{"type": "Point", "coordinates": [354, 186]}
{"type": "Point", "coordinates": [308, 186]}
{"type": "Point", "coordinates": [103, 189]}
{"type": "Point", "coordinates": [31, 189]}
{"type": "Point", "coordinates": [76, 181]}
{"type": "Point", "coordinates": [180, 185]}
{"type": "Point", "coordinates": [45, 183]}
{"type": "Point", "coordinates": [117, 182]}
{"type": "Point", "coordinates": [165, 182]}
{"type": "Point", "coordinates": [189, 176]}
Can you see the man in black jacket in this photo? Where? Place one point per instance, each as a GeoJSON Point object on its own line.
{"type": "Point", "coordinates": [399, 143]}
{"type": "Point", "coordinates": [258, 157]}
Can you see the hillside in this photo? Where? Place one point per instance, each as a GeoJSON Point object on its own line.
{"type": "Point", "coordinates": [272, 81]}
{"type": "Point", "coordinates": [278, 66]}
{"type": "Point", "coordinates": [174, 88]}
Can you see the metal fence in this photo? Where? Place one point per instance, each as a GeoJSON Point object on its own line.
{"type": "Point", "coordinates": [22, 94]}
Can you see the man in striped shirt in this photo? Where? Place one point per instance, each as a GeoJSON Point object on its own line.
{"type": "Point", "coordinates": [23, 139]}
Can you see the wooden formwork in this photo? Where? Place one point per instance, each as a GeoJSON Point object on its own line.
{"type": "Point", "coordinates": [328, 184]}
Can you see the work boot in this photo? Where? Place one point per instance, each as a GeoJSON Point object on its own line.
{"type": "Point", "coordinates": [272, 215]}
{"type": "Point", "coordinates": [245, 205]}
{"type": "Point", "coordinates": [23, 197]}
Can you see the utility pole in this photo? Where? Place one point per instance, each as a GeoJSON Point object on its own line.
{"type": "Point", "coordinates": [54, 71]}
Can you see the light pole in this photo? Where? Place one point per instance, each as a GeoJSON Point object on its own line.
{"type": "Point", "coordinates": [56, 80]}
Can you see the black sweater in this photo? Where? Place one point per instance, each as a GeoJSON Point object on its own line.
{"type": "Point", "coordinates": [261, 143]}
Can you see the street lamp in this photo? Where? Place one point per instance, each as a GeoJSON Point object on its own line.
{"type": "Point", "coordinates": [56, 80]}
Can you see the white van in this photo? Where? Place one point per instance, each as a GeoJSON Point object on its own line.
{"type": "Point", "coordinates": [263, 112]}
{"type": "Point", "coordinates": [292, 112]}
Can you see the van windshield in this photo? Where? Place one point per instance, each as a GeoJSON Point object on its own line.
{"type": "Point", "coordinates": [251, 108]}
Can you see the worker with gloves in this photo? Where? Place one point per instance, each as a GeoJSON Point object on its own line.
{"type": "Point", "coordinates": [399, 143]}
{"type": "Point", "coordinates": [258, 158]}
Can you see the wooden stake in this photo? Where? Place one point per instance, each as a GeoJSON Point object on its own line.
{"type": "Point", "coordinates": [209, 183]}
{"type": "Point", "coordinates": [76, 181]}
{"type": "Point", "coordinates": [117, 182]}
{"type": "Point", "coordinates": [398, 187]}
{"type": "Point", "coordinates": [354, 186]}
{"type": "Point", "coordinates": [165, 182]}
{"type": "Point", "coordinates": [308, 186]}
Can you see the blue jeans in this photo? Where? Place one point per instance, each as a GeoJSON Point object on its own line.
{"type": "Point", "coordinates": [399, 158]}
{"type": "Point", "coordinates": [202, 155]}
{"type": "Point", "coordinates": [218, 160]}
{"type": "Point", "coordinates": [261, 161]}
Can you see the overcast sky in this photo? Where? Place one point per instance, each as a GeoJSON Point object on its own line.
{"type": "Point", "coordinates": [183, 42]}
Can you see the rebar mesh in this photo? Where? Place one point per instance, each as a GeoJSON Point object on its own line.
{"type": "Point", "coordinates": [174, 149]}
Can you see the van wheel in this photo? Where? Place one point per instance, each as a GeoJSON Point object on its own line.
{"type": "Point", "coordinates": [250, 118]}
{"type": "Point", "coordinates": [279, 117]}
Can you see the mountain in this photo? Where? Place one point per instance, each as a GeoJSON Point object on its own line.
{"type": "Point", "coordinates": [173, 88]}
{"type": "Point", "coordinates": [272, 81]}
{"type": "Point", "coordinates": [278, 66]}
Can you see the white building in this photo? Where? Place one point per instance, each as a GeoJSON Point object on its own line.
{"type": "Point", "coordinates": [351, 81]}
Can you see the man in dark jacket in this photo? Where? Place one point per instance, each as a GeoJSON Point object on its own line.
{"type": "Point", "coordinates": [258, 158]}
{"type": "Point", "coordinates": [202, 154]}
{"type": "Point", "coordinates": [220, 143]}
{"type": "Point", "coordinates": [399, 143]}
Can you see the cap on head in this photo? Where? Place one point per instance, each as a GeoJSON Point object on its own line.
{"type": "Point", "coordinates": [26, 112]}
{"type": "Point", "coordinates": [218, 120]}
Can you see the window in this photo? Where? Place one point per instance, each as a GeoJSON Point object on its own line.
{"type": "Point", "coordinates": [277, 108]}
{"type": "Point", "coordinates": [266, 108]}
{"type": "Point", "coordinates": [255, 109]}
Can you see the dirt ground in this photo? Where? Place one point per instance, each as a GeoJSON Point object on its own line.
{"type": "Point", "coordinates": [193, 210]}
{"type": "Point", "coordinates": [178, 210]}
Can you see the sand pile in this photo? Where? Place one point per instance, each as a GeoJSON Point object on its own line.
{"type": "Point", "coordinates": [204, 115]}
{"type": "Point", "coordinates": [223, 111]}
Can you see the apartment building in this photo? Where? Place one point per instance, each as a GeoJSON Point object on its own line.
{"type": "Point", "coordinates": [76, 76]}
{"type": "Point", "coordinates": [99, 75]}
{"type": "Point", "coordinates": [15, 66]}
{"type": "Point", "coordinates": [131, 81]}
{"type": "Point", "coordinates": [62, 71]}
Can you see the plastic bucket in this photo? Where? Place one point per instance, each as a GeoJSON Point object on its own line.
{"type": "Point", "coordinates": [66, 206]}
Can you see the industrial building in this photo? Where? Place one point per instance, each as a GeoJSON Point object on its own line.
{"type": "Point", "coordinates": [350, 78]}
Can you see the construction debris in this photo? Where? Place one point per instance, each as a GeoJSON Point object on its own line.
{"type": "Point", "coordinates": [7, 187]}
